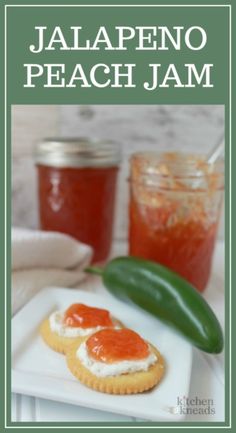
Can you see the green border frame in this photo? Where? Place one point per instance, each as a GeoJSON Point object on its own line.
{"type": "Point", "coordinates": [5, 172]}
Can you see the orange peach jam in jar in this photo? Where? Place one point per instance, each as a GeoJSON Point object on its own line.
{"type": "Point", "coordinates": [175, 202]}
{"type": "Point", "coordinates": [77, 189]}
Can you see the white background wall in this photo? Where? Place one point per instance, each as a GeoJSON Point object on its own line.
{"type": "Point", "coordinates": [161, 127]}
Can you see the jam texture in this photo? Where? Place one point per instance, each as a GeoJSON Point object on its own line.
{"type": "Point", "coordinates": [175, 202]}
{"type": "Point", "coordinates": [114, 345]}
{"type": "Point", "coordinates": [82, 316]}
{"type": "Point", "coordinates": [79, 202]}
{"type": "Point", "coordinates": [186, 246]}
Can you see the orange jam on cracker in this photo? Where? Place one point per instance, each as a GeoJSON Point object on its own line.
{"type": "Point", "coordinates": [80, 315]}
{"type": "Point", "coordinates": [115, 345]}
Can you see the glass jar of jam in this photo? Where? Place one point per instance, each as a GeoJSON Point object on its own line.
{"type": "Point", "coordinates": [76, 189]}
{"type": "Point", "coordinates": [175, 202]}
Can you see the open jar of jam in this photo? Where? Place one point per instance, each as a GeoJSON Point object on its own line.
{"type": "Point", "coordinates": [175, 202]}
{"type": "Point", "coordinates": [76, 188]}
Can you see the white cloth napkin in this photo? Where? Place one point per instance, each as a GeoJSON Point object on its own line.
{"type": "Point", "coordinates": [41, 258]}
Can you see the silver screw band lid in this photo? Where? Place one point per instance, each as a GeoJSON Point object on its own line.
{"type": "Point", "coordinates": [77, 152]}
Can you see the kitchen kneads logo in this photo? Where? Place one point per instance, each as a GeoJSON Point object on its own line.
{"type": "Point", "coordinates": [194, 406]}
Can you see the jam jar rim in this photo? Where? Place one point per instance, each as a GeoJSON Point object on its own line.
{"type": "Point", "coordinates": [147, 175]}
{"type": "Point", "coordinates": [77, 152]}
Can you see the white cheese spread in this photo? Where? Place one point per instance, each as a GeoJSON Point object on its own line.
{"type": "Point", "coordinates": [57, 325]}
{"type": "Point", "coordinates": [101, 369]}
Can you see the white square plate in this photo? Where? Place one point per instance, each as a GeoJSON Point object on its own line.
{"type": "Point", "coordinates": [40, 372]}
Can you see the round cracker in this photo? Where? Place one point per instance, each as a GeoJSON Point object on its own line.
{"type": "Point", "coordinates": [61, 344]}
{"type": "Point", "coordinates": [130, 383]}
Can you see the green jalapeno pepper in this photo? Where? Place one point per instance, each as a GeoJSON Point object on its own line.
{"type": "Point", "coordinates": [167, 296]}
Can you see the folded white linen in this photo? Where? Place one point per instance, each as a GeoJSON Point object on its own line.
{"type": "Point", "coordinates": [41, 258]}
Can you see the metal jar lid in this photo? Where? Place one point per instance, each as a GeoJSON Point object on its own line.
{"type": "Point", "coordinates": [77, 152]}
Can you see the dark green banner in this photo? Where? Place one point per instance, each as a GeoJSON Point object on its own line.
{"type": "Point", "coordinates": [117, 54]}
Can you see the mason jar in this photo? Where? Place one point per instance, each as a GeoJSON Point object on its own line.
{"type": "Point", "coordinates": [175, 202]}
{"type": "Point", "coordinates": [76, 189]}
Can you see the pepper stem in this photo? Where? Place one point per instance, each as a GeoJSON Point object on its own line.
{"type": "Point", "coordinates": [94, 270]}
